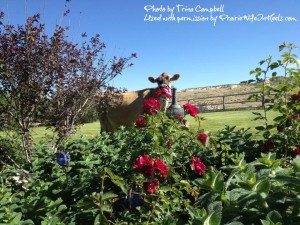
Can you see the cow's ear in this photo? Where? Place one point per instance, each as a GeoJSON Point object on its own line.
{"type": "Point", "coordinates": [152, 79]}
{"type": "Point", "coordinates": [175, 77]}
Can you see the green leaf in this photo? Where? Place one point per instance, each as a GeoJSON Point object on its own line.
{"type": "Point", "coordinates": [281, 47]}
{"type": "Point", "coordinates": [215, 211]}
{"type": "Point", "coordinates": [27, 222]}
{"type": "Point", "coordinates": [275, 217]}
{"type": "Point", "coordinates": [97, 220]}
{"type": "Point", "coordinates": [170, 220]}
{"type": "Point", "coordinates": [61, 208]}
{"type": "Point", "coordinates": [106, 208]}
{"type": "Point", "coordinates": [165, 188]}
{"type": "Point", "coordinates": [212, 219]}
{"type": "Point", "coordinates": [263, 186]}
{"type": "Point", "coordinates": [116, 180]}
{"type": "Point", "coordinates": [218, 182]}
{"type": "Point", "coordinates": [274, 65]}
{"type": "Point", "coordinates": [288, 179]}
{"type": "Point", "coordinates": [296, 164]}
{"type": "Point", "coordinates": [109, 195]}
{"type": "Point", "coordinates": [185, 183]}
{"type": "Point", "coordinates": [260, 128]}
{"type": "Point", "coordinates": [231, 176]}
{"type": "Point", "coordinates": [197, 214]}
{"type": "Point", "coordinates": [100, 219]}
{"type": "Point", "coordinates": [17, 219]}
{"type": "Point", "coordinates": [265, 222]}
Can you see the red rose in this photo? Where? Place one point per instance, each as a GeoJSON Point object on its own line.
{"type": "Point", "coordinates": [202, 137]}
{"type": "Point", "coordinates": [145, 165]}
{"type": "Point", "coordinates": [267, 146]}
{"type": "Point", "coordinates": [140, 122]}
{"type": "Point", "coordinates": [296, 116]}
{"type": "Point", "coordinates": [166, 91]}
{"type": "Point", "coordinates": [296, 151]}
{"type": "Point", "coordinates": [151, 186]}
{"type": "Point", "coordinates": [198, 166]}
{"type": "Point", "coordinates": [169, 142]}
{"type": "Point", "coordinates": [178, 117]}
{"type": "Point", "coordinates": [151, 105]}
{"type": "Point", "coordinates": [190, 109]}
{"type": "Point", "coordinates": [296, 97]}
{"type": "Point", "coordinates": [161, 167]}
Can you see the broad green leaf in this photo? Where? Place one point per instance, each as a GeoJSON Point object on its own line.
{"type": "Point", "coordinates": [197, 214]}
{"type": "Point", "coordinates": [108, 195]}
{"type": "Point", "coordinates": [260, 128]}
{"type": "Point", "coordinates": [100, 219]}
{"type": "Point", "coordinates": [295, 181]}
{"type": "Point", "coordinates": [17, 219]}
{"type": "Point", "coordinates": [61, 208]}
{"type": "Point", "coordinates": [165, 188]}
{"type": "Point", "coordinates": [281, 47]}
{"type": "Point", "coordinates": [97, 220]}
{"type": "Point", "coordinates": [106, 208]}
{"type": "Point", "coordinates": [275, 217]}
{"type": "Point", "coordinates": [215, 209]}
{"type": "Point", "coordinates": [27, 222]}
{"type": "Point", "coordinates": [263, 186]}
{"type": "Point", "coordinates": [212, 219]}
{"type": "Point", "coordinates": [296, 164]}
{"type": "Point", "coordinates": [218, 182]}
{"type": "Point", "coordinates": [231, 176]}
{"type": "Point", "coordinates": [117, 180]}
{"type": "Point", "coordinates": [265, 222]}
{"type": "Point", "coordinates": [53, 220]}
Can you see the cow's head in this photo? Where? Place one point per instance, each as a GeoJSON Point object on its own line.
{"type": "Point", "coordinates": [164, 81]}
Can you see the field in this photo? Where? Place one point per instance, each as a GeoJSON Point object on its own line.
{"type": "Point", "coordinates": [212, 122]}
{"type": "Point", "coordinates": [241, 119]}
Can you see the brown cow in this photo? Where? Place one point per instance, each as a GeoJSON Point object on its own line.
{"type": "Point", "coordinates": [124, 108]}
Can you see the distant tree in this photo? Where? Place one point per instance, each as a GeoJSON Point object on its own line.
{"type": "Point", "coordinates": [49, 74]}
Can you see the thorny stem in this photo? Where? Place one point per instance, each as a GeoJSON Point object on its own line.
{"type": "Point", "coordinates": [285, 66]}
{"type": "Point", "coordinates": [65, 170]}
{"type": "Point", "coordinates": [101, 194]}
{"type": "Point", "coordinates": [152, 210]}
{"type": "Point", "coordinates": [263, 91]}
{"type": "Point", "coordinates": [199, 122]}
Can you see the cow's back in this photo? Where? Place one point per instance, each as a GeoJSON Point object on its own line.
{"type": "Point", "coordinates": [126, 111]}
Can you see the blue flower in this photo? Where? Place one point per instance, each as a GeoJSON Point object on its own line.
{"type": "Point", "coordinates": [135, 200]}
{"type": "Point", "coordinates": [63, 159]}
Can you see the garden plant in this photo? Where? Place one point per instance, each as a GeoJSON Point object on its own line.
{"type": "Point", "coordinates": [159, 171]}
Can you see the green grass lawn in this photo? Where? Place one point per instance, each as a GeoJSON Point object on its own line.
{"type": "Point", "coordinates": [213, 121]}
{"type": "Point", "coordinates": [88, 130]}
{"type": "Point", "coordinates": [241, 119]}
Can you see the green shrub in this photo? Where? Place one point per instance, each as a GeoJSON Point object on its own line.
{"type": "Point", "coordinates": [160, 172]}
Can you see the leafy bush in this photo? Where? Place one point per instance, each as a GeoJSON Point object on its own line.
{"type": "Point", "coordinates": [280, 93]}
{"type": "Point", "coordinates": [102, 183]}
{"type": "Point", "coordinates": [159, 172]}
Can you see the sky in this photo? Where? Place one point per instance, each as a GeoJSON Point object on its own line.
{"type": "Point", "coordinates": [227, 40]}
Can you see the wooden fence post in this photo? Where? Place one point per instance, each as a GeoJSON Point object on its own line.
{"type": "Point", "coordinates": [223, 102]}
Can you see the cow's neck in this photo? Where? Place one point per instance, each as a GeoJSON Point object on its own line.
{"type": "Point", "coordinates": [164, 101]}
